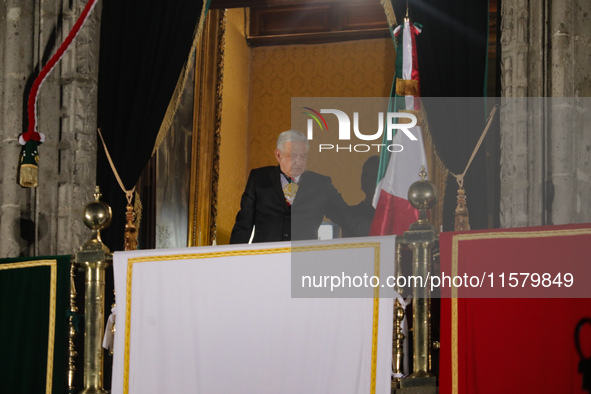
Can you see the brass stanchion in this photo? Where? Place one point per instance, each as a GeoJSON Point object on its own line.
{"type": "Point", "coordinates": [421, 310]}
{"type": "Point", "coordinates": [399, 337]}
{"type": "Point", "coordinates": [72, 327]}
{"type": "Point", "coordinates": [94, 257]}
{"type": "Point", "coordinates": [421, 238]}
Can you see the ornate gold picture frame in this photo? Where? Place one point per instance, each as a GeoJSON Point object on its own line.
{"type": "Point", "coordinates": [206, 131]}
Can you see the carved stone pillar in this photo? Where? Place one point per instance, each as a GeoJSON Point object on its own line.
{"type": "Point", "coordinates": [44, 220]}
{"type": "Point", "coordinates": [545, 146]}
{"type": "Point", "coordinates": [77, 147]}
{"type": "Point", "coordinates": [521, 76]}
{"type": "Point", "coordinates": [16, 62]}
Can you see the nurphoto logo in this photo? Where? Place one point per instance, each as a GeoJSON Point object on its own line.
{"type": "Point", "coordinates": [344, 131]}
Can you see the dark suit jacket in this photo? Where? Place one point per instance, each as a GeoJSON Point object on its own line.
{"type": "Point", "coordinates": [363, 214]}
{"type": "Point", "coordinates": [263, 206]}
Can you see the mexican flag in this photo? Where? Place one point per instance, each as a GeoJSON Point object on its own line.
{"type": "Point", "coordinates": [399, 170]}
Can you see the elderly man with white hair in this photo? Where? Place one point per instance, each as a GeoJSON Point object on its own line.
{"type": "Point", "coordinates": [287, 202]}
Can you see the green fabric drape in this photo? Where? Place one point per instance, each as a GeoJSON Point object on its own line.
{"type": "Point", "coordinates": [34, 302]}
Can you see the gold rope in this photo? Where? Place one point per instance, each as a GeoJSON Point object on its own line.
{"type": "Point", "coordinates": [131, 228]}
{"type": "Point", "coordinates": [460, 178]}
{"type": "Point", "coordinates": [461, 219]}
{"type": "Point", "coordinates": [180, 85]}
{"type": "Point", "coordinates": [128, 193]}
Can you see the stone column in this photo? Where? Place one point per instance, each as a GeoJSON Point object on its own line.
{"type": "Point", "coordinates": [45, 220]}
{"type": "Point", "coordinates": [16, 64]}
{"type": "Point", "coordinates": [522, 131]}
{"type": "Point", "coordinates": [77, 144]}
{"type": "Point", "coordinates": [560, 86]}
{"type": "Point", "coordinates": [43, 204]}
{"type": "Point", "coordinates": [545, 144]}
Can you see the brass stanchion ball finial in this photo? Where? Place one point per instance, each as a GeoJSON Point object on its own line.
{"type": "Point", "coordinates": [422, 194]}
{"type": "Point", "coordinates": [97, 216]}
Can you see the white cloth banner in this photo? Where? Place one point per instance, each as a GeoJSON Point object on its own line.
{"type": "Point", "coordinates": [221, 319]}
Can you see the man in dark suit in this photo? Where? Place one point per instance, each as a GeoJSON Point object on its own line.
{"type": "Point", "coordinates": [364, 211]}
{"type": "Point", "coordinates": [286, 202]}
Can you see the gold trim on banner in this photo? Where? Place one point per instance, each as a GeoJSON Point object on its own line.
{"type": "Point", "coordinates": [407, 87]}
{"type": "Point", "coordinates": [376, 314]}
{"type": "Point", "coordinates": [454, 270]}
{"type": "Point", "coordinates": [389, 10]}
{"type": "Point", "coordinates": [438, 172]}
{"type": "Point", "coordinates": [131, 261]}
{"type": "Point", "coordinates": [52, 264]}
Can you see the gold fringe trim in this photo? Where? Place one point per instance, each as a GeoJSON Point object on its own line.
{"type": "Point", "coordinates": [137, 210]}
{"type": "Point", "coordinates": [387, 4]}
{"type": "Point", "coordinates": [438, 170]}
{"type": "Point", "coordinates": [407, 87]}
{"type": "Point", "coordinates": [180, 86]}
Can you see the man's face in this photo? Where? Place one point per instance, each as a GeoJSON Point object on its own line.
{"type": "Point", "coordinates": [292, 160]}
